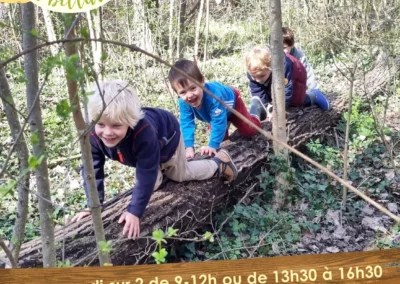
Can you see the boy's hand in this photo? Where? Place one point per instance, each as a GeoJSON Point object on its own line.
{"type": "Point", "coordinates": [132, 226]}
{"type": "Point", "coordinates": [207, 150]}
{"type": "Point", "coordinates": [270, 117]}
{"type": "Point", "coordinates": [270, 113]}
{"type": "Point", "coordinates": [80, 216]}
{"type": "Point", "coordinates": [189, 153]}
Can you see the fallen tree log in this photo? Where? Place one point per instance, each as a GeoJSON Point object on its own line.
{"type": "Point", "coordinates": [184, 206]}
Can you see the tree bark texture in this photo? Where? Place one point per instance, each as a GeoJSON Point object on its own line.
{"type": "Point", "coordinates": [197, 35]}
{"type": "Point", "coordinates": [22, 151]}
{"type": "Point", "coordinates": [86, 156]}
{"type": "Point", "coordinates": [278, 83]}
{"type": "Point", "coordinates": [36, 126]}
{"type": "Point", "coordinates": [51, 35]}
{"type": "Point", "coordinates": [187, 205]}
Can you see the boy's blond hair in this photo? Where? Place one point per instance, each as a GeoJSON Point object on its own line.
{"type": "Point", "coordinates": [122, 103]}
{"type": "Point", "coordinates": [258, 59]}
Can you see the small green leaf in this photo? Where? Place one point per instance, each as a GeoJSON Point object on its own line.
{"type": "Point", "coordinates": [158, 235]}
{"type": "Point", "coordinates": [34, 32]}
{"type": "Point", "coordinates": [85, 33]}
{"type": "Point", "coordinates": [104, 57]}
{"type": "Point", "coordinates": [105, 247]}
{"type": "Point", "coordinates": [171, 232]}
{"type": "Point", "coordinates": [7, 188]}
{"type": "Point", "coordinates": [208, 236]}
{"type": "Point", "coordinates": [35, 138]}
{"type": "Point", "coordinates": [63, 108]}
{"type": "Point", "coordinates": [159, 256]}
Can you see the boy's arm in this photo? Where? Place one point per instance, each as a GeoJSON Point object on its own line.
{"type": "Point", "coordinates": [187, 123]}
{"type": "Point", "coordinates": [312, 82]}
{"type": "Point", "coordinates": [98, 165]}
{"type": "Point", "coordinates": [257, 89]}
{"type": "Point", "coordinates": [147, 166]}
{"type": "Point", "coordinates": [219, 123]}
{"type": "Point", "coordinates": [288, 80]}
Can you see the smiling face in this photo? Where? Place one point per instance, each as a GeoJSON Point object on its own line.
{"type": "Point", "coordinates": [261, 76]}
{"type": "Point", "coordinates": [110, 132]}
{"type": "Point", "coordinates": [190, 93]}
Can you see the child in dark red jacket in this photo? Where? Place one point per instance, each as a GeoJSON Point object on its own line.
{"type": "Point", "coordinates": [148, 139]}
{"type": "Point", "coordinates": [258, 63]}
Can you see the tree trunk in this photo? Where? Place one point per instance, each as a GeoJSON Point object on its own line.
{"type": "Point", "coordinates": [196, 39]}
{"type": "Point", "coordinates": [171, 36]}
{"type": "Point", "coordinates": [36, 126]}
{"type": "Point", "coordinates": [23, 154]}
{"type": "Point", "coordinates": [206, 30]}
{"type": "Point", "coordinates": [188, 205]}
{"type": "Point", "coordinates": [180, 44]}
{"type": "Point", "coordinates": [86, 156]}
{"type": "Point", "coordinates": [94, 23]}
{"type": "Point", "coordinates": [51, 35]}
{"type": "Point", "coordinates": [278, 95]}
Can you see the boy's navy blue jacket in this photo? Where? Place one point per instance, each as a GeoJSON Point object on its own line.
{"type": "Point", "coordinates": [295, 83]}
{"type": "Point", "coordinates": [151, 142]}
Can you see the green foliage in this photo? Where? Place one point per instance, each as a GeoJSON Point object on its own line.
{"type": "Point", "coordinates": [390, 240]}
{"type": "Point", "coordinates": [159, 256]}
{"type": "Point", "coordinates": [105, 246]}
{"type": "Point", "coordinates": [7, 188]}
{"type": "Point", "coordinates": [254, 228]}
{"type": "Point", "coordinates": [63, 108]}
{"type": "Point", "coordinates": [35, 162]}
{"type": "Point", "coordinates": [325, 155]}
{"type": "Point", "coordinates": [67, 263]}
{"type": "Point", "coordinates": [160, 237]}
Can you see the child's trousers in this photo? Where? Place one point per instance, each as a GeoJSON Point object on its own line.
{"type": "Point", "coordinates": [179, 169]}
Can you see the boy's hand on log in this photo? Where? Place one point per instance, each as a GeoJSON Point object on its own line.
{"type": "Point", "coordinates": [132, 225]}
{"type": "Point", "coordinates": [189, 153]}
{"type": "Point", "coordinates": [80, 216]}
{"type": "Point", "coordinates": [207, 150]}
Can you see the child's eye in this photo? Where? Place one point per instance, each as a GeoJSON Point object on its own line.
{"type": "Point", "coordinates": [100, 124]}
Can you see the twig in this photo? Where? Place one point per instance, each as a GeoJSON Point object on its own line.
{"type": "Point", "coordinates": [346, 140]}
{"type": "Point", "coordinates": [8, 253]}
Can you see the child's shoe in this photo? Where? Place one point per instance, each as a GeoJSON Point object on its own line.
{"type": "Point", "coordinates": [226, 168]}
{"type": "Point", "coordinates": [320, 100]}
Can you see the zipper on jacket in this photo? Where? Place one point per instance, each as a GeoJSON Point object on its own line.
{"type": "Point", "coordinates": [120, 157]}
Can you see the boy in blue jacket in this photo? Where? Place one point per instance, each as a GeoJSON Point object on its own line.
{"type": "Point", "coordinates": [258, 63]}
{"type": "Point", "coordinates": [148, 139]}
{"type": "Point", "coordinates": [193, 103]}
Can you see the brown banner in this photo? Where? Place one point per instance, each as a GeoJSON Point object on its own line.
{"type": "Point", "coordinates": [356, 267]}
